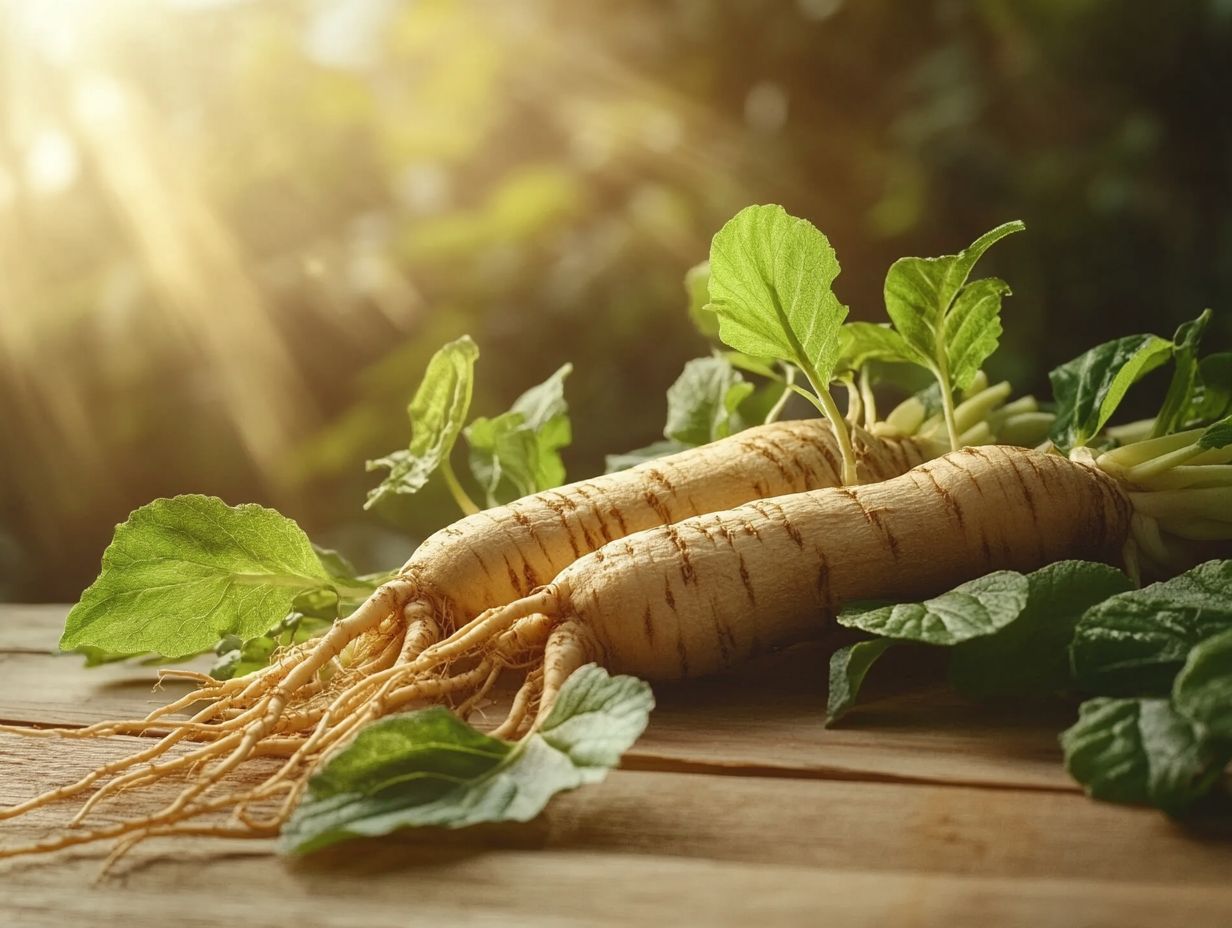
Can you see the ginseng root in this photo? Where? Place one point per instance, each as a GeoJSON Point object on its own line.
{"type": "Point", "coordinates": [676, 601]}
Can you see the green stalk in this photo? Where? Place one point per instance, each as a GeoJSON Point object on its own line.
{"type": "Point", "coordinates": [942, 373]}
{"type": "Point", "coordinates": [789, 378]}
{"type": "Point", "coordinates": [855, 402]}
{"type": "Point", "coordinates": [870, 401]}
{"type": "Point", "coordinates": [465, 503]}
{"type": "Point", "coordinates": [828, 408]}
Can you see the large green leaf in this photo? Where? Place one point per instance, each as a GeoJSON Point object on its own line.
{"type": "Point", "coordinates": [979, 607]}
{"type": "Point", "coordinates": [1140, 751]}
{"type": "Point", "coordinates": [1029, 657]}
{"type": "Point", "coordinates": [183, 573]}
{"type": "Point", "coordinates": [1088, 389]}
{"type": "Point", "coordinates": [1135, 642]}
{"type": "Point", "coordinates": [429, 768]}
{"type": "Point", "coordinates": [770, 283]}
{"type": "Point", "coordinates": [437, 412]}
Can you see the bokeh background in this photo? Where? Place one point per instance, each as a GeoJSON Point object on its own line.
{"type": "Point", "coordinates": [231, 233]}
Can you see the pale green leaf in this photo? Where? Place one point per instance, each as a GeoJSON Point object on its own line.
{"type": "Point", "coordinates": [182, 573]}
{"type": "Point", "coordinates": [518, 452]}
{"type": "Point", "coordinates": [659, 449]}
{"type": "Point", "coordinates": [702, 403]}
{"type": "Point", "coordinates": [770, 283]}
{"type": "Point", "coordinates": [861, 342]}
{"type": "Point", "coordinates": [973, 329]}
{"type": "Point", "coordinates": [437, 412]}
{"type": "Point", "coordinates": [920, 292]}
{"type": "Point", "coordinates": [697, 288]}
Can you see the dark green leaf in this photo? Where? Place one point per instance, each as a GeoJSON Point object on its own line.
{"type": "Point", "coordinates": [182, 573]}
{"type": "Point", "coordinates": [1173, 415]}
{"type": "Point", "coordinates": [1088, 389]}
{"type": "Point", "coordinates": [1203, 689]}
{"type": "Point", "coordinates": [1212, 396]}
{"type": "Point", "coordinates": [1140, 751]}
{"type": "Point", "coordinates": [429, 768]}
{"type": "Point", "coordinates": [1218, 435]}
{"type": "Point", "coordinates": [979, 607]}
{"type": "Point", "coordinates": [770, 283]}
{"type": "Point", "coordinates": [1029, 657]}
{"type": "Point", "coordinates": [437, 412]}
{"type": "Point", "coordinates": [848, 667]}
{"type": "Point", "coordinates": [1135, 643]}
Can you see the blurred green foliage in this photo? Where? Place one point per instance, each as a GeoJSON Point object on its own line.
{"type": "Point", "coordinates": [379, 177]}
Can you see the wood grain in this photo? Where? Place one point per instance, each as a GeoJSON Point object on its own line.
{"type": "Point", "coordinates": [737, 806]}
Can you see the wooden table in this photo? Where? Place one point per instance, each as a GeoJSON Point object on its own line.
{"type": "Point", "coordinates": [737, 807]}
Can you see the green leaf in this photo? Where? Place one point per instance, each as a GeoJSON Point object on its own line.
{"type": "Point", "coordinates": [973, 329]}
{"type": "Point", "coordinates": [428, 768]}
{"type": "Point", "coordinates": [1203, 689]}
{"type": "Point", "coordinates": [922, 296]}
{"type": "Point", "coordinates": [861, 342]}
{"type": "Point", "coordinates": [518, 452]}
{"type": "Point", "coordinates": [1029, 657]}
{"type": "Point", "coordinates": [702, 403]}
{"type": "Point", "coordinates": [660, 449]}
{"type": "Point", "coordinates": [1135, 642]}
{"type": "Point", "coordinates": [697, 287]}
{"type": "Point", "coordinates": [437, 412]}
{"type": "Point", "coordinates": [848, 667]}
{"type": "Point", "coordinates": [1218, 435]}
{"type": "Point", "coordinates": [1088, 389]}
{"type": "Point", "coordinates": [1177, 402]}
{"type": "Point", "coordinates": [978, 607]}
{"type": "Point", "coordinates": [770, 283]}
{"type": "Point", "coordinates": [1212, 396]}
{"type": "Point", "coordinates": [183, 573]}
{"type": "Point", "coordinates": [1140, 751]}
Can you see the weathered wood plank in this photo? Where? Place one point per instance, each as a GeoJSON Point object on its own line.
{"type": "Point", "coordinates": [768, 718]}
{"type": "Point", "coordinates": [402, 887]}
{"type": "Point", "coordinates": [825, 824]}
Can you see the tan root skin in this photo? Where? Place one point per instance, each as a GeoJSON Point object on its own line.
{"type": "Point", "coordinates": [696, 597]}
{"type": "Point", "coordinates": [669, 602]}
{"type": "Point", "coordinates": [496, 556]}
